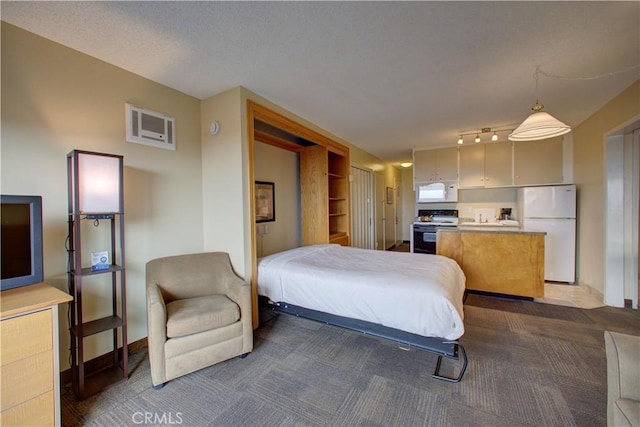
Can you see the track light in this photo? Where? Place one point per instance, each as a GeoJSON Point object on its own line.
{"type": "Point", "coordinates": [478, 134]}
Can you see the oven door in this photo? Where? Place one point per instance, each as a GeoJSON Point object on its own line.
{"type": "Point", "coordinates": [424, 239]}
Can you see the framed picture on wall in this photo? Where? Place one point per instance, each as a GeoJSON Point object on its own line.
{"type": "Point", "coordinates": [389, 195]}
{"type": "Point", "coordinates": [265, 201]}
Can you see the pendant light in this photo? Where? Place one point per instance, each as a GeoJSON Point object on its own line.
{"type": "Point", "coordinates": [539, 125]}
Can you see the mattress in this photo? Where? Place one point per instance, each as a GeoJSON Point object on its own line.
{"type": "Point", "coordinates": [417, 293]}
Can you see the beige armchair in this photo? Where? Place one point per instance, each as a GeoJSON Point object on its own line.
{"type": "Point", "coordinates": [623, 379]}
{"type": "Point", "coordinates": [198, 314]}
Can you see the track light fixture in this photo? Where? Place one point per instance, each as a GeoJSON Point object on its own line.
{"type": "Point", "coordinates": [478, 134]}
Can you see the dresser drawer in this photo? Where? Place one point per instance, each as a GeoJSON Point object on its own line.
{"type": "Point", "coordinates": [35, 412]}
{"type": "Point", "coordinates": [25, 336]}
{"type": "Point", "coordinates": [27, 378]}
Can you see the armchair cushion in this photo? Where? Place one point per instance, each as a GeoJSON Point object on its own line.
{"type": "Point", "coordinates": [626, 413]}
{"type": "Point", "coordinates": [193, 315]}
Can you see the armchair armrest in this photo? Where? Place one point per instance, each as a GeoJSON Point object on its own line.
{"type": "Point", "coordinates": [240, 293]}
{"type": "Point", "coordinates": [156, 332]}
{"type": "Point", "coordinates": [623, 374]}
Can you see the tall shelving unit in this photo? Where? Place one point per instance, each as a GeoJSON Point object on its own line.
{"type": "Point", "coordinates": [113, 368]}
{"type": "Point", "coordinates": [338, 177]}
{"type": "Point", "coordinates": [324, 185]}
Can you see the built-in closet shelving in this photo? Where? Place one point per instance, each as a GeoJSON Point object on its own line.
{"type": "Point", "coordinates": [324, 182]}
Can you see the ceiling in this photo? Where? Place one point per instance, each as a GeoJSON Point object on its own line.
{"type": "Point", "coordinates": [385, 76]}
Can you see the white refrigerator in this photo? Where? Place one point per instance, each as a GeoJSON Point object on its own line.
{"type": "Point", "coordinates": [552, 209]}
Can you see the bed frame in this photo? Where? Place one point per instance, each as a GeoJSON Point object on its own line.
{"type": "Point", "coordinates": [447, 348]}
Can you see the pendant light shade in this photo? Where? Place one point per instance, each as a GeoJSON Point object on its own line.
{"type": "Point", "coordinates": [539, 125]}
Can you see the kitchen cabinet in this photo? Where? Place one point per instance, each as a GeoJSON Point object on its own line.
{"type": "Point", "coordinates": [324, 184]}
{"type": "Point", "coordinates": [435, 165]}
{"type": "Point", "coordinates": [486, 165]}
{"type": "Point", "coordinates": [538, 162]}
{"type": "Point", "coordinates": [498, 164]}
{"type": "Point", "coordinates": [472, 166]}
{"type": "Point", "coordinates": [504, 262]}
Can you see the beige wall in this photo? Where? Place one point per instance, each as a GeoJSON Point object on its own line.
{"type": "Point", "coordinates": [224, 181]}
{"type": "Point", "coordinates": [589, 175]}
{"type": "Point", "coordinates": [408, 202]}
{"type": "Point", "coordinates": [282, 167]}
{"type": "Point", "coordinates": [54, 100]}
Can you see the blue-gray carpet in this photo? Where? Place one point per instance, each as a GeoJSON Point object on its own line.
{"type": "Point", "coordinates": [530, 364]}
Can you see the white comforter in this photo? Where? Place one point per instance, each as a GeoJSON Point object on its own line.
{"type": "Point", "coordinates": [416, 293]}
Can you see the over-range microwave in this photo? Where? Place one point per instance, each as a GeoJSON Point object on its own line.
{"type": "Point", "coordinates": [436, 192]}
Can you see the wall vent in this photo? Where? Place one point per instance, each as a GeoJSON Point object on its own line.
{"type": "Point", "coordinates": [150, 128]}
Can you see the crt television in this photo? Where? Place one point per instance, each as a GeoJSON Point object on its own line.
{"type": "Point", "coordinates": [21, 236]}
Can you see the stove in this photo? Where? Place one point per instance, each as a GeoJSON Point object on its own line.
{"type": "Point", "coordinates": [442, 217]}
{"type": "Point", "coordinates": [424, 229]}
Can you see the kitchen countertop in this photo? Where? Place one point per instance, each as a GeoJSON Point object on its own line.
{"type": "Point", "coordinates": [503, 229]}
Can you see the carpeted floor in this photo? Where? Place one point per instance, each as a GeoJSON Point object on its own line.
{"type": "Point", "coordinates": [530, 364]}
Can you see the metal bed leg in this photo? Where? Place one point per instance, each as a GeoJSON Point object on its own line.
{"type": "Point", "coordinates": [465, 361]}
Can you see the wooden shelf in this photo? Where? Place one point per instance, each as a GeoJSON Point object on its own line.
{"type": "Point", "coordinates": [86, 384]}
{"type": "Point", "coordinates": [98, 325]}
{"type": "Point", "coordinates": [87, 271]}
{"type": "Point", "coordinates": [325, 195]}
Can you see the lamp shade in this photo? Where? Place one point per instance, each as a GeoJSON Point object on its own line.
{"type": "Point", "coordinates": [95, 182]}
{"type": "Point", "coordinates": [539, 125]}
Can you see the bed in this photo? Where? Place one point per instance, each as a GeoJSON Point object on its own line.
{"type": "Point", "coordinates": [415, 300]}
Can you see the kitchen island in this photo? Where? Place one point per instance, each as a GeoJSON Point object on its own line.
{"type": "Point", "coordinates": [503, 260]}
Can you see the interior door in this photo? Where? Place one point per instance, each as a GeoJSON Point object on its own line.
{"type": "Point", "coordinates": [362, 235]}
{"type": "Point", "coordinates": [380, 211]}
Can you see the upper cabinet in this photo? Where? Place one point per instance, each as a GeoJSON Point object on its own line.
{"type": "Point", "coordinates": [538, 162]}
{"type": "Point", "coordinates": [472, 166]}
{"type": "Point", "coordinates": [486, 165]}
{"type": "Point", "coordinates": [498, 164]}
{"type": "Point", "coordinates": [493, 164]}
{"type": "Point", "coordinates": [435, 165]}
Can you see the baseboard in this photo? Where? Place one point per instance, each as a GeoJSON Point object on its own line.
{"type": "Point", "coordinates": [103, 361]}
{"type": "Point", "coordinates": [595, 292]}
